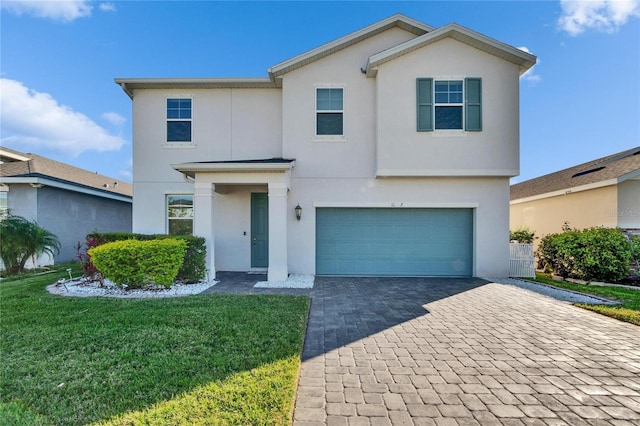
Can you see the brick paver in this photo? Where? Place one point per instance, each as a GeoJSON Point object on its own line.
{"type": "Point", "coordinates": [462, 352]}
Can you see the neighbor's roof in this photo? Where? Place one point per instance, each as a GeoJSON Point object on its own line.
{"type": "Point", "coordinates": [425, 35]}
{"type": "Point", "coordinates": [14, 165]}
{"type": "Point", "coordinates": [612, 169]}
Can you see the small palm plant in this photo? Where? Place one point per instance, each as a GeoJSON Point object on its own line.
{"type": "Point", "coordinates": [22, 239]}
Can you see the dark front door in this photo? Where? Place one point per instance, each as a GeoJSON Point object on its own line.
{"type": "Point", "coordinates": [259, 230]}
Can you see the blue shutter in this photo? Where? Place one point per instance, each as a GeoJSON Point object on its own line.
{"type": "Point", "coordinates": [424, 99]}
{"type": "Point", "coordinates": [473, 104]}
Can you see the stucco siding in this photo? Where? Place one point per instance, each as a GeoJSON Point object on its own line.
{"type": "Point", "coordinates": [583, 209]}
{"type": "Point", "coordinates": [71, 216]}
{"type": "Point", "coordinates": [227, 124]}
{"type": "Point", "coordinates": [402, 150]}
{"type": "Point", "coordinates": [628, 212]}
{"type": "Point", "coordinates": [354, 155]}
{"type": "Point", "coordinates": [22, 200]}
{"type": "Point", "coordinates": [488, 197]}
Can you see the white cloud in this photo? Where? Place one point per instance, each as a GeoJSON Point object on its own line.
{"type": "Point", "coordinates": [35, 119]}
{"type": "Point", "coordinates": [601, 15]}
{"type": "Point", "coordinates": [107, 7]}
{"type": "Point", "coordinates": [65, 11]}
{"type": "Point", "coordinates": [530, 75]}
{"type": "Point", "coordinates": [114, 118]}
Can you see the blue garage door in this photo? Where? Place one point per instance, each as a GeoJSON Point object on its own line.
{"type": "Point", "coordinates": [394, 242]}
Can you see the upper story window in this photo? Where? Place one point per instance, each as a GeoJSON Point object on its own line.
{"type": "Point", "coordinates": [329, 111]}
{"type": "Point", "coordinates": [178, 120]}
{"type": "Point", "coordinates": [449, 104]}
{"type": "Point", "coordinates": [180, 214]}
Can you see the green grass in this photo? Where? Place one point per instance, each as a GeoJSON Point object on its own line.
{"type": "Point", "coordinates": [211, 359]}
{"type": "Point", "coordinates": [628, 310]}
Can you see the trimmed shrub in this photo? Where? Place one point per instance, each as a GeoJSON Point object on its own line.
{"type": "Point", "coordinates": [194, 267]}
{"type": "Point", "coordinates": [590, 254]}
{"type": "Point", "coordinates": [136, 263]}
{"type": "Point", "coordinates": [522, 235]}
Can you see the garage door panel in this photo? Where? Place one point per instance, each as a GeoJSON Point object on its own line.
{"type": "Point", "coordinates": [359, 241]}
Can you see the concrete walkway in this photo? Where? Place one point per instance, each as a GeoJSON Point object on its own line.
{"type": "Point", "coordinates": [468, 352]}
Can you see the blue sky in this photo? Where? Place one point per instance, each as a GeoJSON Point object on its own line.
{"type": "Point", "coordinates": [58, 61]}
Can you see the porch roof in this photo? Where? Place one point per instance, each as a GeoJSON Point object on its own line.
{"type": "Point", "coordinates": [247, 166]}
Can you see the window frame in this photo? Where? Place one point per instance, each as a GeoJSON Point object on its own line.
{"type": "Point", "coordinates": [178, 97]}
{"type": "Point", "coordinates": [471, 113]}
{"type": "Point", "coordinates": [459, 105]}
{"type": "Point", "coordinates": [329, 137]}
{"type": "Point", "coordinates": [168, 216]}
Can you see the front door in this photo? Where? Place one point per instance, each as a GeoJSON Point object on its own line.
{"type": "Point", "coordinates": [259, 230]}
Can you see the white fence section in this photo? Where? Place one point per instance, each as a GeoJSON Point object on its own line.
{"type": "Point", "coordinates": [521, 261]}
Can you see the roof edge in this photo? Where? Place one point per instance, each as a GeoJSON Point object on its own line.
{"type": "Point", "coordinates": [521, 58]}
{"type": "Point", "coordinates": [128, 85]}
{"type": "Point", "coordinates": [565, 191]}
{"type": "Point", "coordinates": [254, 166]}
{"type": "Point", "coordinates": [53, 182]}
{"type": "Point", "coordinates": [397, 20]}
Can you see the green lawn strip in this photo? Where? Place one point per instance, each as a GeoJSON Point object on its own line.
{"type": "Point", "coordinates": [82, 360]}
{"type": "Point", "coordinates": [628, 310]}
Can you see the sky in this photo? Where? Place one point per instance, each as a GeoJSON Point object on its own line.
{"type": "Point", "coordinates": [58, 61]}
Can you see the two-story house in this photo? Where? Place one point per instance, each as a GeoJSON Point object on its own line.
{"type": "Point", "coordinates": [385, 152]}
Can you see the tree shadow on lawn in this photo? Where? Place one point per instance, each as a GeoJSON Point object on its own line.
{"type": "Point", "coordinates": [347, 309]}
{"type": "Point", "coordinates": [128, 361]}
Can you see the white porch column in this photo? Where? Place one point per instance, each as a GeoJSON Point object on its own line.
{"type": "Point", "coordinates": [278, 267]}
{"type": "Point", "coordinates": [203, 220]}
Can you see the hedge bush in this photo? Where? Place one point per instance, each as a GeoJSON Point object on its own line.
{"type": "Point", "coordinates": [194, 267]}
{"type": "Point", "coordinates": [602, 254]}
{"type": "Point", "coordinates": [522, 235]}
{"type": "Point", "coordinates": [136, 263]}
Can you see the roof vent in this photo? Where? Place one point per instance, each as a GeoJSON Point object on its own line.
{"type": "Point", "coordinates": [586, 172]}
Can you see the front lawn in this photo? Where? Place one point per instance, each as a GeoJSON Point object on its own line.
{"type": "Point", "coordinates": [211, 359]}
{"type": "Point", "coordinates": [628, 311]}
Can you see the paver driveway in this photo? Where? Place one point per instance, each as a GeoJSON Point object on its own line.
{"type": "Point", "coordinates": [454, 351]}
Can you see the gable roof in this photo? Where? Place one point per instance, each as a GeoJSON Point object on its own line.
{"type": "Point", "coordinates": [398, 20]}
{"type": "Point", "coordinates": [19, 167]}
{"type": "Point", "coordinates": [474, 39]}
{"type": "Point", "coordinates": [425, 35]}
{"type": "Point", "coordinates": [604, 171]}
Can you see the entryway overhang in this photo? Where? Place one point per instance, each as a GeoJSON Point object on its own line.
{"type": "Point", "coordinates": [274, 173]}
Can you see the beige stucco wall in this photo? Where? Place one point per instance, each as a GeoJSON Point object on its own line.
{"type": "Point", "coordinates": [580, 209]}
{"type": "Point", "coordinates": [628, 212]}
{"type": "Point", "coordinates": [404, 151]}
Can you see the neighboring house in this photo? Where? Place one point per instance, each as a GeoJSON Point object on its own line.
{"type": "Point", "coordinates": [603, 192]}
{"type": "Point", "coordinates": [65, 200]}
{"type": "Point", "coordinates": [394, 144]}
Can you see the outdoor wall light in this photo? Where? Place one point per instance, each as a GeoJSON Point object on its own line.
{"type": "Point", "coordinates": [298, 210]}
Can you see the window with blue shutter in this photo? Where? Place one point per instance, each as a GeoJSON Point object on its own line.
{"type": "Point", "coordinates": [473, 102]}
{"type": "Point", "coordinates": [424, 89]}
{"type": "Point", "coordinates": [449, 104]}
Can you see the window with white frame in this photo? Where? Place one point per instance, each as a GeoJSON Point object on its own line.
{"type": "Point", "coordinates": [329, 111]}
{"type": "Point", "coordinates": [180, 214]}
{"type": "Point", "coordinates": [179, 120]}
{"type": "Point", "coordinates": [449, 104]}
